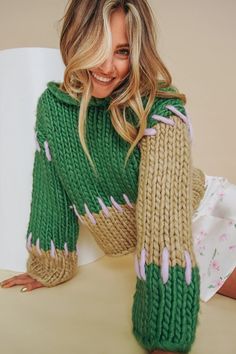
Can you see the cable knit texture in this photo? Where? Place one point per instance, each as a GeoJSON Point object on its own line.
{"type": "Point", "coordinates": [145, 208]}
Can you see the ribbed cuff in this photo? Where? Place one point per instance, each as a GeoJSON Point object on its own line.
{"type": "Point", "coordinates": [49, 270]}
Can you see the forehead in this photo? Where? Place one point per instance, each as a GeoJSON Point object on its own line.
{"type": "Point", "coordinates": [118, 27]}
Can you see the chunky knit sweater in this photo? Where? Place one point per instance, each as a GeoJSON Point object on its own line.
{"type": "Point", "coordinates": [145, 208]}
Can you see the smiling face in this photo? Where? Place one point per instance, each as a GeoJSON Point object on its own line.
{"type": "Point", "coordinates": [114, 70]}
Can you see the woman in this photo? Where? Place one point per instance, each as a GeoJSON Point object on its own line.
{"type": "Point", "coordinates": [111, 107]}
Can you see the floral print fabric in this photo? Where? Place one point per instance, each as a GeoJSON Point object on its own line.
{"type": "Point", "coordinates": [214, 235]}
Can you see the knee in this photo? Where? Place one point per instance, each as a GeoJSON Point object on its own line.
{"type": "Point", "coordinates": [229, 286]}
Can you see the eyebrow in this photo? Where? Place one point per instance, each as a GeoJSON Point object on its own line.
{"type": "Point", "coordinates": [122, 45]}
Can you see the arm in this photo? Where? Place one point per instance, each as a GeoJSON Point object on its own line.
{"type": "Point", "coordinates": [198, 187]}
{"type": "Point", "coordinates": [53, 227]}
{"type": "Point", "coordinates": [167, 296]}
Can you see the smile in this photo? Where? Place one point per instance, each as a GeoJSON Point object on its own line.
{"type": "Point", "coordinates": [102, 80]}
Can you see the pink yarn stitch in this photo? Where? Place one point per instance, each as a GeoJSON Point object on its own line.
{"type": "Point", "coordinates": [90, 215]}
{"type": "Point", "coordinates": [53, 250]}
{"type": "Point", "coordinates": [47, 151]}
{"type": "Point", "coordinates": [142, 264]}
{"type": "Point", "coordinates": [28, 243]}
{"type": "Point", "coordinates": [104, 207]}
{"type": "Point", "coordinates": [77, 214]}
{"type": "Point", "coordinates": [136, 266]}
{"type": "Point", "coordinates": [186, 119]}
{"type": "Point", "coordinates": [190, 125]}
{"type": "Point", "coordinates": [116, 205]}
{"type": "Point", "coordinates": [178, 113]}
{"type": "Point", "coordinates": [163, 119]}
{"type": "Point", "coordinates": [36, 142]}
{"type": "Point", "coordinates": [127, 200]}
{"type": "Point", "coordinates": [188, 269]}
{"type": "Point", "coordinates": [165, 265]}
{"type": "Point", "coordinates": [38, 247]}
{"type": "Point", "coordinates": [66, 249]}
{"type": "Point", "coordinates": [150, 131]}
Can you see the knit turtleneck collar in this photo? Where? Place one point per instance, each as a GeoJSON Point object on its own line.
{"type": "Point", "coordinates": [65, 97]}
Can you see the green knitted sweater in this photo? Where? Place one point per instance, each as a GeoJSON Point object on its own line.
{"type": "Point", "coordinates": [145, 208]}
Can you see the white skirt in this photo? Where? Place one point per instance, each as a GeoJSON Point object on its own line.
{"type": "Point", "coordinates": [214, 235]}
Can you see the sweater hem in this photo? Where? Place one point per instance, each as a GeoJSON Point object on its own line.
{"type": "Point", "coordinates": [163, 345]}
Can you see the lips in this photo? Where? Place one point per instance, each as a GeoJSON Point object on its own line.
{"type": "Point", "coordinates": [103, 76]}
{"type": "Point", "coordinates": [102, 83]}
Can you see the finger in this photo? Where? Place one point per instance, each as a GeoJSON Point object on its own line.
{"type": "Point", "coordinates": [20, 276]}
{"type": "Point", "coordinates": [32, 286]}
{"type": "Point", "coordinates": [7, 281]}
{"type": "Point", "coordinates": [18, 281]}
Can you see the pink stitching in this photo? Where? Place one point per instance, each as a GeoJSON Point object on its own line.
{"type": "Point", "coordinates": [186, 119]}
{"type": "Point", "coordinates": [38, 247]}
{"type": "Point", "coordinates": [66, 249]}
{"type": "Point", "coordinates": [163, 119]}
{"type": "Point", "coordinates": [178, 113]}
{"type": "Point", "coordinates": [47, 151]}
{"type": "Point", "coordinates": [91, 217]}
{"type": "Point", "coordinates": [136, 266]}
{"type": "Point", "coordinates": [190, 126]}
{"type": "Point", "coordinates": [188, 269]}
{"type": "Point", "coordinates": [127, 200]}
{"type": "Point", "coordinates": [28, 242]}
{"type": "Point", "coordinates": [77, 214]}
{"type": "Point", "coordinates": [53, 250]}
{"type": "Point", "coordinates": [150, 131]}
{"type": "Point", "coordinates": [116, 205]}
{"type": "Point", "coordinates": [165, 265]}
{"type": "Point", "coordinates": [142, 264]}
{"type": "Point", "coordinates": [104, 207]}
{"type": "Point", "coordinates": [36, 142]}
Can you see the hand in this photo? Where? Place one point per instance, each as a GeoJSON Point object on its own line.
{"type": "Point", "coordinates": [22, 279]}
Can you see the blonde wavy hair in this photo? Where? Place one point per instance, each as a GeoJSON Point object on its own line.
{"type": "Point", "coordinates": [85, 40]}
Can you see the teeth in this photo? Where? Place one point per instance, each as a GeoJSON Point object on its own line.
{"type": "Point", "coordinates": [101, 78]}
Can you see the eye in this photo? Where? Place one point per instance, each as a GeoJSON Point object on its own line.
{"type": "Point", "coordinates": [124, 50]}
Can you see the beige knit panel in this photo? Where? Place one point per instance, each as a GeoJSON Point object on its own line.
{"type": "Point", "coordinates": [49, 270]}
{"type": "Point", "coordinates": [164, 204]}
{"type": "Point", "coordinates": [198, 187]}
{"type": "Point", "coordinates": [116, 233]}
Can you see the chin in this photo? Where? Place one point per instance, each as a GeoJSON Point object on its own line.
{"type": "Point", "coordinates": [97, 96]}
{"type": "Point", "coordinates": [107, 91]}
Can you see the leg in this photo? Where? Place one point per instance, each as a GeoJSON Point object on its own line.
{"type": "Point", "coordinates": [229, 286]}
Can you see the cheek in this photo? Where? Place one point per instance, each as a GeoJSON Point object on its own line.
{"type": "Point", "coordinates": [123, 68]}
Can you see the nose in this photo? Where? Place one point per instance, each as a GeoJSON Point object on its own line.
{"type": "Point", "coordinates": [108, 66]}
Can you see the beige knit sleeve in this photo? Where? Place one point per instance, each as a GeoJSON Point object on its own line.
{"type": "Point", "coordinates": [198, 187]}
{"type": "Point", "coordinates": [166, 301]}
